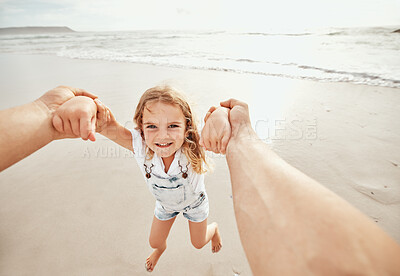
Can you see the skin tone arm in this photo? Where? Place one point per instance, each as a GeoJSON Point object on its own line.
{"type": "Point", "coordinates": [291, 225]}
{"type": "Point", "coordinates": [112, 129]}
{"type": "Point", "coordinates": [27, 128]}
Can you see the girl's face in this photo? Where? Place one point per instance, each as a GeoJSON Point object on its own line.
{"type": "Point", "coordinates": [164, 127]}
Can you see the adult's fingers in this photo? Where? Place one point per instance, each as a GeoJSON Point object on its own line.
{"type": "Point", "coordinates": [218, 147]}
{"type": "Point", "coordinates": [231, 103]}
{"type": "Point", "coordinates": [92, 136]}
{"type": "Point", "coordinates": [88, 94]}
{"type": "Point", "coordinates": [211, 110]}
{"type": "Point", "coordinates": [75, 126]}
{"type": "Point", "coordinates": [214, 146]}
{"type": "Point", "coordinates": [81, 92]}
{"type": "Point", "coordinates": [85, 126]}
{"type": "Point", "coordinates": [207, 116]}
{"type": "Point", "coordinates": [202, 138]}
{"type": "Point", "coordinates": [67, 127]}
{"type": "Point", "coordinates": [224, 143]}
{"type": "Point", "coordinates": [58, 123]}
{"type": "Point", "coordinates": [206, 142]}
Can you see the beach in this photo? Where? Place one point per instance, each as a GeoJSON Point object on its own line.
{"type": "Point", "coordinates": [82, 208]}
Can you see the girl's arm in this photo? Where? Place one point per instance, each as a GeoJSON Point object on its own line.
{"type": "Point", "coordinates": [108, 126]}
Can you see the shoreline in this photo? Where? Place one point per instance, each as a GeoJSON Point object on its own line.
{"type": "Point", "coordinates": [222, 70]}
{"type": "Point", "coordinates": [59, 208]}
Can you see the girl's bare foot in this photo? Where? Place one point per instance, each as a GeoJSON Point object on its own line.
{"type": "Point", "coordinates": [216, 242]}
{"type": "Point", "coordinates": [152, 260]}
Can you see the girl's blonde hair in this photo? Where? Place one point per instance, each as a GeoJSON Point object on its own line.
{"type": "Point", "coordinates": [191, 146]}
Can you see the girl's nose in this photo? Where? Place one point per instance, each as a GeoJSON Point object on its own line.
{"type": "Point", "coordinates": [163, 133]}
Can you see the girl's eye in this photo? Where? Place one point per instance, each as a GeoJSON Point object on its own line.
{"type": "Point", "coordinates": [151, 126]}
{"type": "Point", "coordinates": [173, 126]}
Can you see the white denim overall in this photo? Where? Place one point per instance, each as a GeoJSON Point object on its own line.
{"type": "Point", "coordinates": [175, 194]}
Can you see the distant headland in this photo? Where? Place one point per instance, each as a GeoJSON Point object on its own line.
{"type": "Point", "coordinates": [35, 30]}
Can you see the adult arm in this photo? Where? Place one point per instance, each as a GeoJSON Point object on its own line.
{"type": "Point", "coordinates": [291, 225]}
{"type": "Point", "coordinates": [25, 129]}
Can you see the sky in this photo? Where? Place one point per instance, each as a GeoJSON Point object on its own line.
{"type": "Point", "coordinates": [250, 15]}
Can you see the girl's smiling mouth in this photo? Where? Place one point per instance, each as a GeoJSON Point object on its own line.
{"type": "Point", "coordinates": [163, 145]}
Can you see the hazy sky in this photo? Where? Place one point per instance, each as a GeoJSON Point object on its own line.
{"type": "Point", "coordinates": [98, 15]}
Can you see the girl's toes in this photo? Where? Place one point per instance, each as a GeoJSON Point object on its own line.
{"type": "Point", "coordinates": [216, 248]}
{"type": "Point", "coordinates": [147, 265]}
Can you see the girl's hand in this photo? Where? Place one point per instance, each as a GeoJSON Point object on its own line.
{"type": "Point", "coordinates": [76, 118]}
{"type": "Point", "coordinates": [217, 130]}
{"type": "Point", "coordinates": [105, 118]}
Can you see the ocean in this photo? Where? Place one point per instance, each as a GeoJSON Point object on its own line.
{"type": "Point", "coordinates": [368, 56]}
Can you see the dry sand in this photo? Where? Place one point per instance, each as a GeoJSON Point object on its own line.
{"type": "Point", "coordinates": [82, 208]}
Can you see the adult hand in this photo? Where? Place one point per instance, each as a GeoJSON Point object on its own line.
{"type": "Point", "coordinates": [217, 130]}
{"type": "Point", "coordinates": [239, 117]}
{"type": "Point", "coordinates": [54, 98]}
{"type": "Point", "coordinates": [208, 114]}
{"type": "Point", "coordinates": [76, 118]}
{"type": "Point", "coordinates": [82, 117]}
{"type": "Point", "coordinates": [25, 129]}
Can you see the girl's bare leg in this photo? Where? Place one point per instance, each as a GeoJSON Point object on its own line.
{"type": "Point", "coordinates": [158, 240]}
{"type": "Point", "coordinates": [201, 234]}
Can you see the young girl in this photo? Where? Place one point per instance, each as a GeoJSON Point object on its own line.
{"type": "Point", "coordinates": [166, 146]}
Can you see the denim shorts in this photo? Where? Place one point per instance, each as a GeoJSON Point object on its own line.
{"type": "Point", "coordinates": [195, 212]}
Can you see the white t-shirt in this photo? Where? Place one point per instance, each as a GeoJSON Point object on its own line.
{"type": "Point", "coordinates": [139, 148]}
